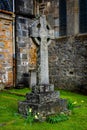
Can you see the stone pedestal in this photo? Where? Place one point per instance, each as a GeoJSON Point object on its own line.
{"type": "Point", "coordinates": [43, 99]}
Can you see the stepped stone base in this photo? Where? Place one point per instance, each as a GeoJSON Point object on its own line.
{"type": "Point", "coordinates": [44, 102]}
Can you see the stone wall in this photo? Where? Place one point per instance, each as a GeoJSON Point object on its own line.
{"type": "Point", "coordinates": [25, 48]}
{"type": "Point", "coordinates": [6, 50]}
{"type": "Point", "coordinates": [25, 51]}
{"type": "Point", "coordinates": [68, 54]}
{"type": "Point", "coordinates": [68, 63]}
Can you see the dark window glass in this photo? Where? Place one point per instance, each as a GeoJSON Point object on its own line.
{"type": "Point", "coordinates": [83, 16]}
{"type": "Point", "coordinates": [62, 17]}
{"type": "Point", "coordinates": [6, 5]}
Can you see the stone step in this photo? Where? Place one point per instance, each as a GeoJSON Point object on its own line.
{"type": "Point", "coordinates": [55, 107]}
{"type": "Point", "coordinates": [42, 97]}
{"type": "Point", "coordinates": [43, 88]}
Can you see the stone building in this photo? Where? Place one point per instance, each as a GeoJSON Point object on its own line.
{"type": "Point", "coordinates": [67, 53]}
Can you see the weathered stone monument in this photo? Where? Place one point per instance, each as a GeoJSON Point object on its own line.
{"type": "Point", "coordinates": [40, 31]}
{"type": "Point", "coordinates": [43, 98]}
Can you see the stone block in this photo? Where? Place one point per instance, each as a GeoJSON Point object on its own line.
{"type": "Point", "coordinates": [43, 88]}
{"type": "Point", "coordinates": [42, 97]}
{"type": "Point", "coordinates": [44, 101]}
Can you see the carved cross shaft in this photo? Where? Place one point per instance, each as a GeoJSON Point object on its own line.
{"type": "Point", "coordinates": [44, 34]}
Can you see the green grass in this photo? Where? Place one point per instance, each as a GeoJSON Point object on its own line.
{"type": "Point", "coordinates": [11, 120]}
{"type": "Point", "coordinates": [19, 91]}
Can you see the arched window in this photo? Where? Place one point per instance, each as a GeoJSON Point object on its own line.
{"type": "Point", "coordinates": [62, 17]}
{"type": "Point", "coordinates": [83, 16]}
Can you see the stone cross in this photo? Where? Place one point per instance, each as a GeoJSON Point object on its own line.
{"type": "Point", "coordinates": [43, 35]}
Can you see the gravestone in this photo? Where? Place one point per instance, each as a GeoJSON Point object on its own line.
{"type": "Point", "coordinates": [43, 98]}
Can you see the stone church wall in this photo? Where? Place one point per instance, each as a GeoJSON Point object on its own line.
{"type": "Point", "coordinates": [6, 50]}
{"type": "Point", "coordinates": [22, 49]}
{"type": "Point", "coordinates": [25, 48]}
{"type": "Point", "coordinates": [68, 54]}
{"type": "Point", "coordinates": [68, 64]}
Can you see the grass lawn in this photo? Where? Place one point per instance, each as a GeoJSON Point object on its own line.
{"type": "Point", "coordinates": [11, 120]}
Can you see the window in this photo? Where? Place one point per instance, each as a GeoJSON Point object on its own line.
{"type": "Point", "coordinates": [83, 16]}
{"type": "Point", "coordinates": [62, 17]}
{"type": "Point", "coordinates": [6, 5]}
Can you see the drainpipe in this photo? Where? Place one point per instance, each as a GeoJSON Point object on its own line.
{"type": "Point", "coordinates": [13, 44]}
